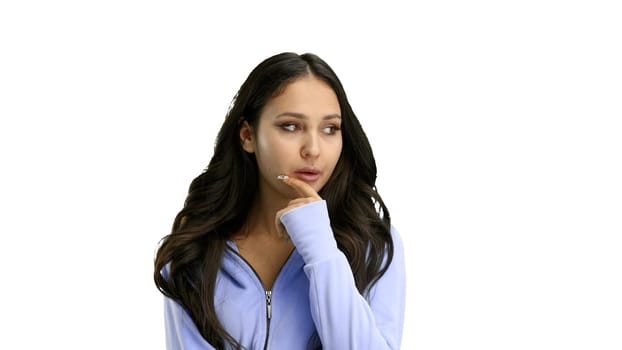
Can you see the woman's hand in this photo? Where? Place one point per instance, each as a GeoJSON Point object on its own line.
{"type": "Point", "coordinates": [306, 195]}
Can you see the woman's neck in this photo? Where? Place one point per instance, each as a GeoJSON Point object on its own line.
{"type": "Point", "coordinates": [261, 217]}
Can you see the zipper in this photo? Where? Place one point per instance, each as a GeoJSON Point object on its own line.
{"type": "Point", "coordinates": [268, 293]}
{"type": "Point", "coordinates": [268, 316]}
{"type": "Point", "coordinates": [269, 304]}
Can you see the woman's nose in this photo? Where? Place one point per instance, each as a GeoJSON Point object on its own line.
{"type": "Point", "coordinates": [311, 146]}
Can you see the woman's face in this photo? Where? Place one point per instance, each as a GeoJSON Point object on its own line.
{"type": "Point", "coordinates": [298, 134]}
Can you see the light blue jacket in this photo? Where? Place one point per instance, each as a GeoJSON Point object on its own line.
{"type": "Point", "coordinates": [314, 296]}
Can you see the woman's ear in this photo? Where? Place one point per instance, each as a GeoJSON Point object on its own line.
{"type": "Point", "coordinates": [247, 137]}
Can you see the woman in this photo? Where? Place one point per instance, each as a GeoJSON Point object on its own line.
{"type": "Point", "coordinates": [283, 241]}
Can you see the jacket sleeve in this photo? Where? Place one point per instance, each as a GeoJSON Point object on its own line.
{"type": "Point", "coordinates": [344, 319]}
{"type": "Point", "coordinates": [181, 332]}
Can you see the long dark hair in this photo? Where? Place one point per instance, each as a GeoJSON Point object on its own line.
{"type": "Point", "coordinates": [219, 199]}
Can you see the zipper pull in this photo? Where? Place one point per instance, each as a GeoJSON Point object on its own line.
{"type": "Point", "coordinates": [269, 303]}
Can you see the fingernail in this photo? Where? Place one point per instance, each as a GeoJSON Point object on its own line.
{"type": "Point", "coordinates": [282, 177]}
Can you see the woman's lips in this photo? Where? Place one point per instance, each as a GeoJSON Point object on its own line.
{"type": "Point", "coordinates": [308, 175]}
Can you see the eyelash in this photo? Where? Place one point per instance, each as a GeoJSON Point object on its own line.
{"type": "Point", "coordinates": [287, 127]}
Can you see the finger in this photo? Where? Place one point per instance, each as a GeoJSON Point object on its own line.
{"type": "Point", "coordinates": [292, 205]}
{"type": "Point", "coordinates": [303, 188]}
{"type": "Point", "coordinates": [300, 201]}
{"type": "Point", "coordinates": [281, 231]}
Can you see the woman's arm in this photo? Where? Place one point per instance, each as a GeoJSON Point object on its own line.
{"type": "Point", "coordinates": [343, 318]}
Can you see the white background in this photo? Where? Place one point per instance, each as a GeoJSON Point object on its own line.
{"type": "Point", "coordinates": [495, 126]}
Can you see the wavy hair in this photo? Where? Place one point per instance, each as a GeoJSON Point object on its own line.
{"type": "Point", "coordinates": [193, 251]}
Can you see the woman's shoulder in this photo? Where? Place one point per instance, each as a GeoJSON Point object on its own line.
{"type": "Point", "coordinates": [396, 235]}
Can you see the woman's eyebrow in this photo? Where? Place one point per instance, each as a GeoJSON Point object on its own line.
{"type": "Point", "coordinates": [302, 116]}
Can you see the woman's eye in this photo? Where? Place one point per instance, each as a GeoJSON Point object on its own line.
{"type": "Point", "coordinates": [289, 127]}
{"type": "Point", "coordinates": [331, 129]}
